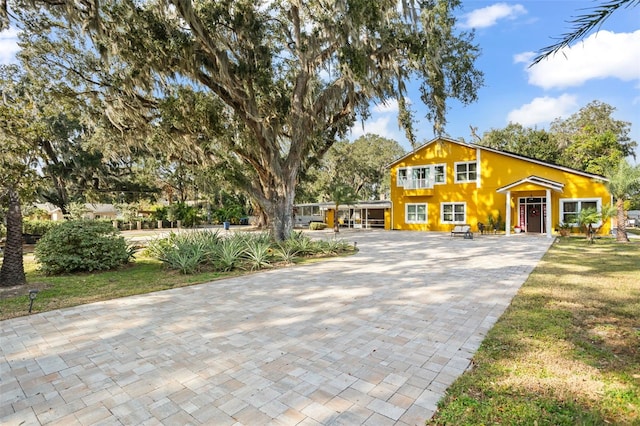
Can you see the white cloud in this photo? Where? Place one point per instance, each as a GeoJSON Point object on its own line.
{"type": "Point", "coordinates": [602, 55]}
{"type": "Point", "coordinates": [489, 16]}
{"type": "Point", "coordinates": [389, 106]}
{"type": "Point", "coordinates": [523, 58]}
{"type": "Point", "coordinates": [543, 110]}
{"type": "Point", "coordinates": [8, 46]}
{"type": "Point", "coordinates": [379, 126]}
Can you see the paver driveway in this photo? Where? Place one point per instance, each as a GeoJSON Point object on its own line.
{"type": "Point", "coordinates": [374, 338]}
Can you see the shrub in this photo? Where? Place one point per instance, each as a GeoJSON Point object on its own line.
{"type": "Point", "coordinates": [83, 245]}
{"type": "Point", "coordinates": [187, 252]}
{"type": "Point", "coordinates": [317, 226]}
{"type": "Point", "coordinates": [185, 213]}
{"type": "Point", "coordinates": [193, 251]}
{"type": "Point", "coordinates": [257, 253]}
{"type": "Point", "coordinates": [229, 254]}
{"type": "Point", "coordinates": [302, 244]}
{"type": "Point", "coordinates": [38, 227]}
{"type": "Point", "coordinates": [286, 253]}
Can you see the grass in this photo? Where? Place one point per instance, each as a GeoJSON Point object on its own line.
{"type": "Point", "coordinates": [566, 351]}
{"type": "Point", "coordinates": [144, 275]}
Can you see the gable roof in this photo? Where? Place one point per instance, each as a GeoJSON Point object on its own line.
{"type": "Point", "coordinates": [536, 180]}
{"type": "Point", "coordinates": [505, 153]}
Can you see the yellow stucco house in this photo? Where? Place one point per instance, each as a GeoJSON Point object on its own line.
{"type": "Point", "coordinates": [446, 182]}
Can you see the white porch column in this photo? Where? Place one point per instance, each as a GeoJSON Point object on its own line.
{"type": "Point", "coordinates": [507, 223]}
{"type": "Point", "coordinates": [549, 215]}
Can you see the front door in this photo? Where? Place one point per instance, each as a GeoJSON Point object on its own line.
{"type": "Point", "coordinates": [534, 218]}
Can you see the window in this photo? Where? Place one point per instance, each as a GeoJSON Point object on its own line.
{"type": "Point", "coordinates": [466, 172]}
{"type": "Point", "coordinates": [571, 208]}
{"type": "Point", "coordinates": [416, 177]}
{"type": "Point", "coordinates": [440, 174]}
{"type": "Point", "coordinates": [402, 177]}
{"type": "Point", "coordinates": [420, 177]}
{"type": "Point", "coordinates": [453, 212]}
{"type": "Point", "coordinates": [416, 213]}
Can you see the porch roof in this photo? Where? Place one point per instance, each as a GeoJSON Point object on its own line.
{"type": "Point", "coordinates": [535, 180]}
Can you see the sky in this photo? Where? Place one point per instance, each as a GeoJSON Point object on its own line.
{"type": "Point", "coordinates": [604, 66]}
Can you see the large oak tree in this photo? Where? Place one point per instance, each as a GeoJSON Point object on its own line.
{"type": "Point", "coordinates": [292, 76]}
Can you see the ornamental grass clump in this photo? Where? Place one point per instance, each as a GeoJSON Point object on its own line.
{"type": "Point", "coordinates": [229, 254]}
{"type": "Point", "coordinates": [81, 246]}
{"type": "Point", "coordinates": [257, 254]}
{"type": "Point", "coordinates": [187, 252]}
{"type": "Point", "coordinates": [205, 251]}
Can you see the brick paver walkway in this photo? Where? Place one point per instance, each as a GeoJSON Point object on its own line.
{"type": "Point", "coordinates": [370, 339]}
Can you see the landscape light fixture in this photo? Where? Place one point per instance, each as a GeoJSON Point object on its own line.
{"type": "Point", "coordinates": [32, 296]}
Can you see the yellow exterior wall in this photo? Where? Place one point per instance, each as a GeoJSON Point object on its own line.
{"type": "Point", "coordinates": [496, 170]}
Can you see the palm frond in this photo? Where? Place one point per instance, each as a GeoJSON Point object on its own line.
{"type": "Point", "coordinates": [583, 24]}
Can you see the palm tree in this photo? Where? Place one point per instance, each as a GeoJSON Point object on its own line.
{"type": "Point", "coordinates": [623, 182]}
{"type": "Point", "coordinates": [12, 271]}
{"type": "Point", "coordinates": [340, 194]}
{"type": "Point", "coordinates": [586, 219]}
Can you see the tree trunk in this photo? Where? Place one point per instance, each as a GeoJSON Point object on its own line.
{"type": "Point", "coordinates": [621, 229]}
{"type": "Point", "coordinates": [280, 214]}
{"type": "Point", "coordinates": [12, 271]}
{"type": "Point", "coordinates": [261, 219]}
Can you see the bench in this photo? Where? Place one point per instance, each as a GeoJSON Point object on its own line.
{"type": "Point", "coordinates": [463, 230]}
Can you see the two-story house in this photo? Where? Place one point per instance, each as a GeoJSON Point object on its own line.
{"type": "Point", "coordinates": [446, 182]}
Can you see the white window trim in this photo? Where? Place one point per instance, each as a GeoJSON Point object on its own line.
{"type": "Point", "coordinates": [598, 202]}
{"type": "Point", "coordinates": [426, 213]}
{"type": "Point", "coordinates": [400, 182]}
{"type": "Point", "coordinates": [453, 222]}
{"type": "Point", "coordinates": [409, 172]}
{"type": "Point", "coordinates": [444, 167]}
{"type": "Point", "coordinates": [455, 172]}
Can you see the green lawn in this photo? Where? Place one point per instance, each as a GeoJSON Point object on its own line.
{"type": "Point", "coordinates": [567, 350]}
{"type": "Point", "coordinates": [144, 275]}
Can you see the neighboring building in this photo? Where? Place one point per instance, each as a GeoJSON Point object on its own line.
{"type": "Point", "coordinates": [91, 211]}
{"type": "Point", "coordinates": [359, 214]}
{"type": "Point", "coordinates": [446, 182]}
{"type": "Point", "coordinates": [52, 212]}
{"type": "Point", "coordinates": [100, 211]}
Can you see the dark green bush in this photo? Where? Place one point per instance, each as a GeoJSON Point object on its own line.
{"type": "Point", "coordinates": [83, 245]}
{"type": "Point", "coordinates": [37, 227]}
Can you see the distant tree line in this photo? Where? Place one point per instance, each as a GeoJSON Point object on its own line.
{"type": "Point", "coordinates": [591, 140]}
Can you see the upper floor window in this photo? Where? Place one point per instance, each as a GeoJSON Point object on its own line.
{"type": "Point", "coordinates": [466, 172]}
{"type": "Point", "coordinates": [402, 176]}
{"type": "Point", "coordinates": [440, 174]}
{"type": "Point", "coordinates": [416, 177]}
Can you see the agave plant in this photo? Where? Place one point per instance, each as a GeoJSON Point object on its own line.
{"type": "Point", "coordinates": [229, 254]}
{"type": "Point", "coordinates": [187, 259]}
{"type": "Point", "coordinates": [302, 244]}
{"type": "Point", "coordinates": [286, 252]}
{"type": "Point", "coordinates": [257, 253]}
